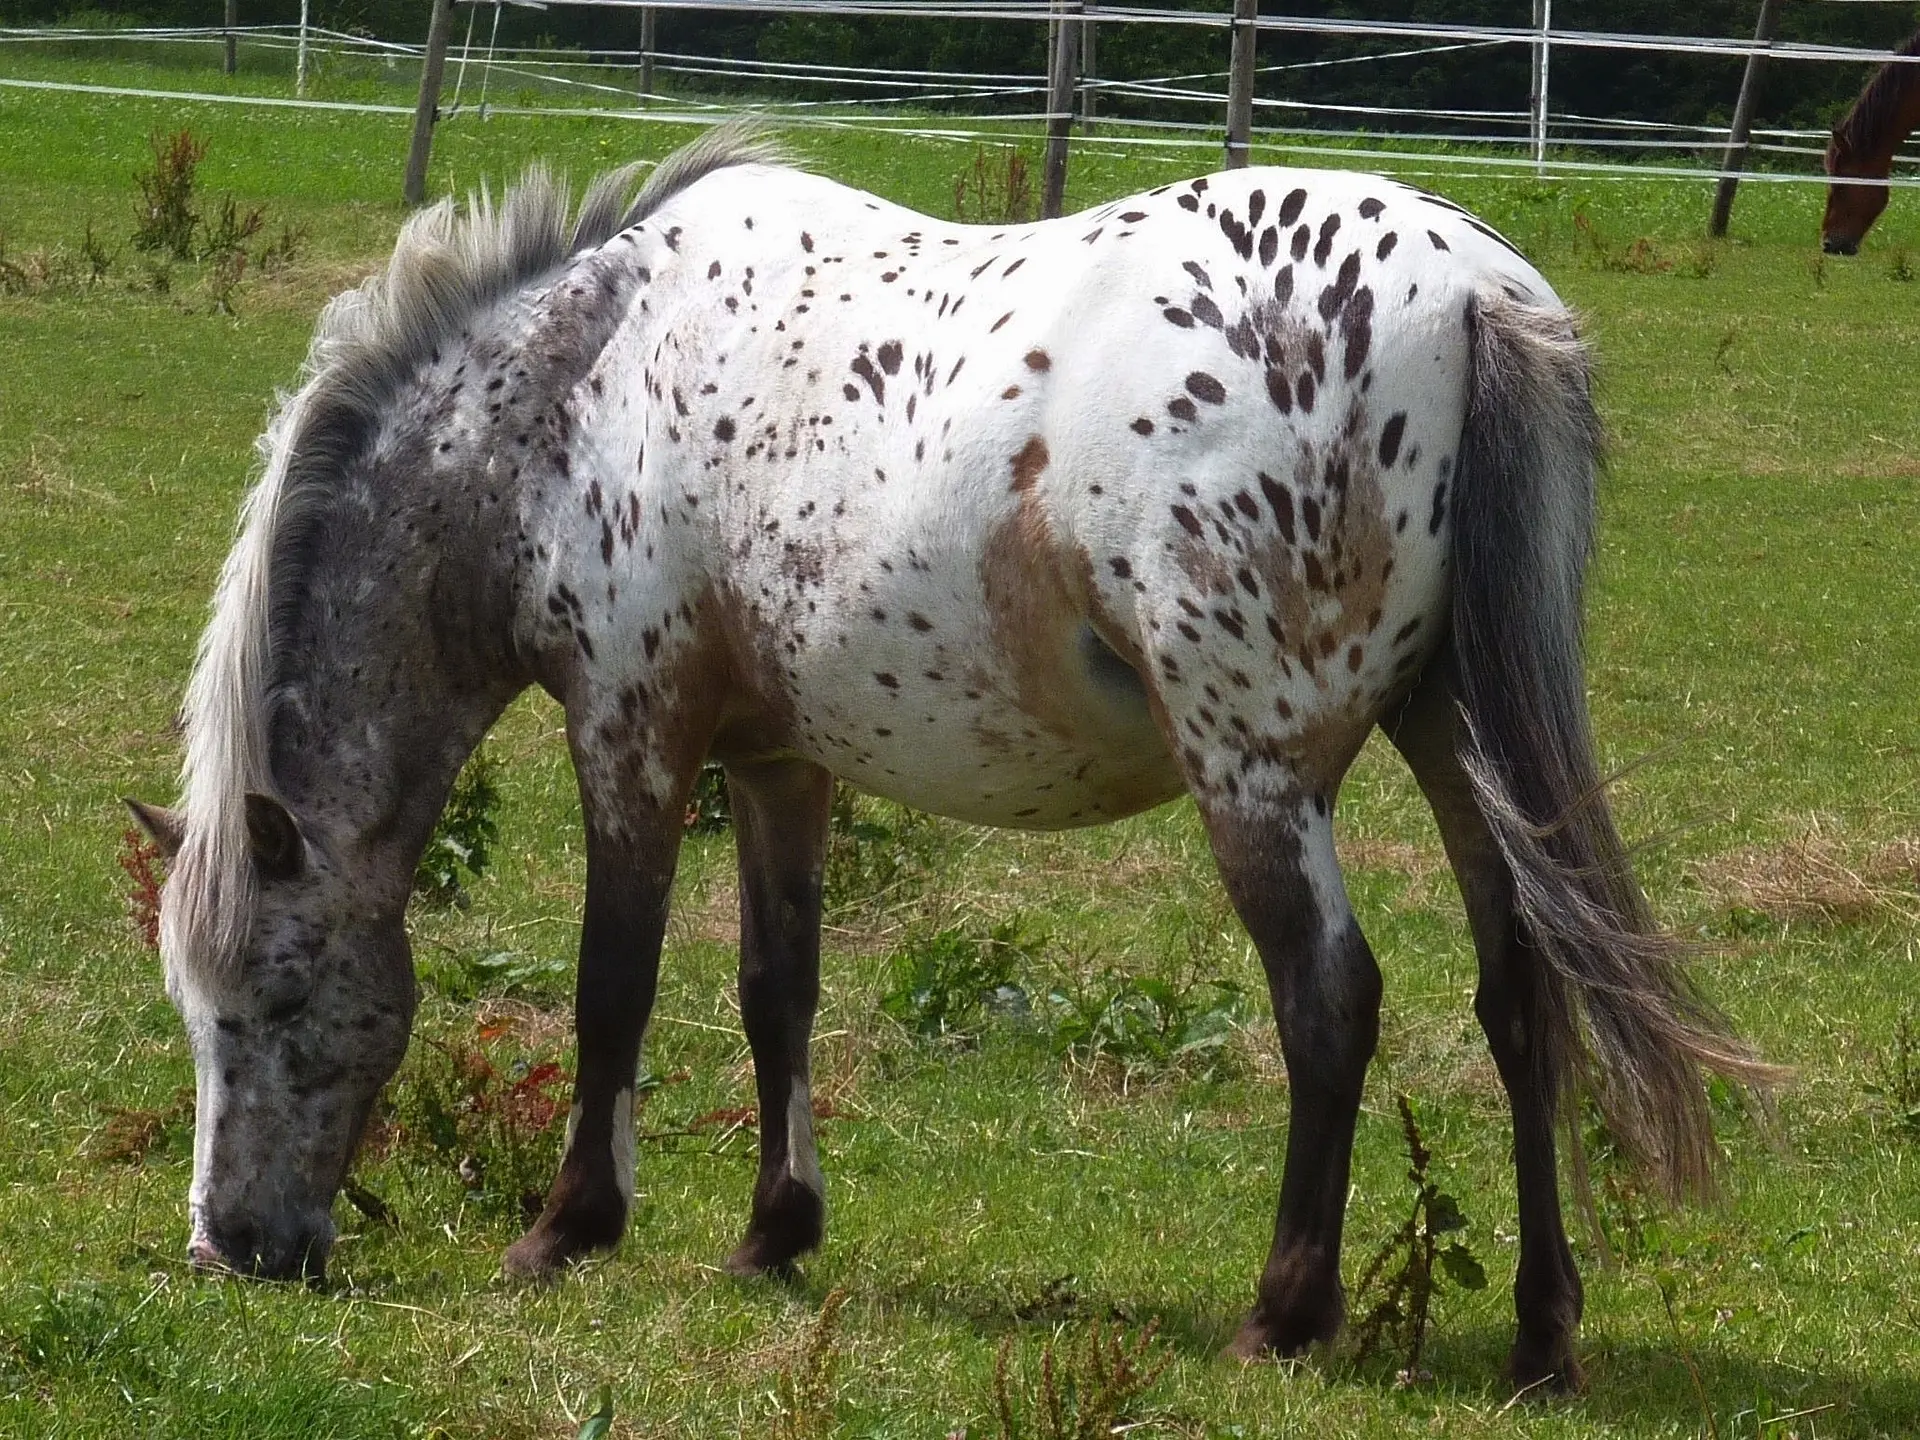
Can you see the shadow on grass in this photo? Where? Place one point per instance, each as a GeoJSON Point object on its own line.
{"type": "Point", "coordinates": [1630, 1383]}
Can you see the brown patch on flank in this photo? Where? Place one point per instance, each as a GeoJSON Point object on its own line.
{"type": "Point", "coordinates": [1039, 360]}
{"type": "Point", "coordinates": [1029, 462]}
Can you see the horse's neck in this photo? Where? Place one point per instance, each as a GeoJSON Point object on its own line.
{"type": "Point", "coordinates": [414, 633]}
{"type": "Point", "coordinates": [398, 656]}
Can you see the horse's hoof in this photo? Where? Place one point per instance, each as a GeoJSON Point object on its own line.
{"type": "Point", "coordinates": [1545, 1367]}
{"type": "Point", "coordinates": [754, 1256]}
{"type": "Point", "coordinates": [544, 1253]}
{"type": "Point", "coordinates": [782, 1230]}
{"type": "Point", "coordinates": [1266, 1337]}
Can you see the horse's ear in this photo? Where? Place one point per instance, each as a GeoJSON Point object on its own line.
{"type": "Point", "coordinates": [275, 837]}
{"type": "Point", "coordinates": [166, 828]}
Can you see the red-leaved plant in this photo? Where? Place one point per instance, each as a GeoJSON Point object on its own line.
{"type": "Point", "coordinates": [138, 857]}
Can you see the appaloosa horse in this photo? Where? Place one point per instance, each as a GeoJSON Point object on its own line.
{"type": "Point", "coordinates": [1862, 147]}
{"type": "Point", "coordinates": [1030, 525]}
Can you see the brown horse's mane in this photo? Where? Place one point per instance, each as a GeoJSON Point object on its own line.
{"type": "Point", "coordinates": [1868, 127]}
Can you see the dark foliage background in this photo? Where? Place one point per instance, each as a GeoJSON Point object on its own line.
{"type": "Point", "coordinates": [1678, 89]}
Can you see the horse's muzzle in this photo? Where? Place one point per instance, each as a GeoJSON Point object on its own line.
{"type": "Point", "coordinates": [244, 1249]}
{"type": "Point", "coordinates": [1833, 245]}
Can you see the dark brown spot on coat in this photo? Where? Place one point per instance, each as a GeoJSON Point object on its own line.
{"type": "Point", "coordinates": [1324, 247]}
{"type": "Point", "coordinates": [1278, 391]}
{"type": "Point", "coordinates": [1390, 435]}
{"type": "Point", "coordinates": [1291, 207]}
{"type": "Point", "coordinates": [1281, 499]}
{"type": "Point", "coordinates": [1203, 386]}
{"type": "Point", "coordinates": [1356, 327]}
{"type": "Point", "coordinates": [1039, 360]}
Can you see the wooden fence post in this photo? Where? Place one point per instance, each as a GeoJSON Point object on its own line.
{"type": "Point", "coordinates": [1539, 102]}
{"type": "Point", "coordinates": [233, 19]}
{"type": "Point", "coordinates": [300, 60]}
{"type": "Point", "coordinates": [1089, 89]}
{"type": "Point", "coordinates": [432, 66]}
{"type": "Point", "coordinates": [649, 38]}
{"type": "Point", "coordinates": [1736, 156]}
{"type": "Point", "coordinates": [1240, 83]}
{"type": "Point", "coordinates": [1066, 60]}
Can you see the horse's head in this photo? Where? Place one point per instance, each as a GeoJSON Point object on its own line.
{"type": "Point", "coordinates": [1851, 209]}
{"type": "Point", "coordinates": [293, 1032]}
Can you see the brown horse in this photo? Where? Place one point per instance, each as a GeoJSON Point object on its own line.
{"type": "Point", "coordinates": [1862, 147]}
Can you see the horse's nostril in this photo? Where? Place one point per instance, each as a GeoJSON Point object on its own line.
{"type": "Point", "coordinates": [203, 1254]}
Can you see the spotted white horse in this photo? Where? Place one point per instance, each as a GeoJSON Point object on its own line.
{"type": "Point", "coordinates": [1032, 526]}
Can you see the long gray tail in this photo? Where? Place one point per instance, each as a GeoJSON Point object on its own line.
{"type": "Point", "coordinates": [1618, 1010]}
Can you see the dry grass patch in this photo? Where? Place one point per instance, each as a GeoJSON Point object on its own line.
{"type": "Point", "coordinates": [1817, 875]}
{"type": "Point", "coordinates": [1423, 868]}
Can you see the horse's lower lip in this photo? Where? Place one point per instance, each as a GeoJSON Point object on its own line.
{"type": "Point", "coordinates": [1839, 247]}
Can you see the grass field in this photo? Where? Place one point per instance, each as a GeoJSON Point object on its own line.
{"type": "Point", "coordinates": [1755, 642]}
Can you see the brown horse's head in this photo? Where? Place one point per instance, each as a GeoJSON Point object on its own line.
{"type": "Point", "coordinates": [1851, 208]}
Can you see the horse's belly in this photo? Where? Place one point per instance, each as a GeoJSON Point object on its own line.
{"type": "Point", "coordinates": [945, 728]}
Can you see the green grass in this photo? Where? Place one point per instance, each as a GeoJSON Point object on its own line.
{"type": "Point", "coordinates": [1755, 628]}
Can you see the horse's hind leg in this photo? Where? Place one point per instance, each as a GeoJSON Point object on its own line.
{"type": "Point", "coordinates": [1546, 1291]}
{"type": "Point", "coordinates": [780, 813]}
{"type": "Point", "coordinates": [1278, 864]}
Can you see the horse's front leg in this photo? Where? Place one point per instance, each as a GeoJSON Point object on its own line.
{"type": "Point", "coordinates": [633, 841]}
{"type": "Point", "coordinates": [780, 813]}
{"type": "Point", "coordinates": [1278, 864]}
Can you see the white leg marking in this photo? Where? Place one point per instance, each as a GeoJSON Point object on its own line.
{"type": "Point", "coordinates": [623, 1161]}
{"type": "Point", "coordinates": [1322, 872]}
{"type": "Point", "coordinates": [803, 1162]}
{"type": "Point", "coordinates": [621, 1140]}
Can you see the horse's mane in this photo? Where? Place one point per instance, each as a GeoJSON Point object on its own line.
{"type": "Point", "coordinates": [1868, 127]}
{"type": "Point", "coordinates": [446, 268]}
